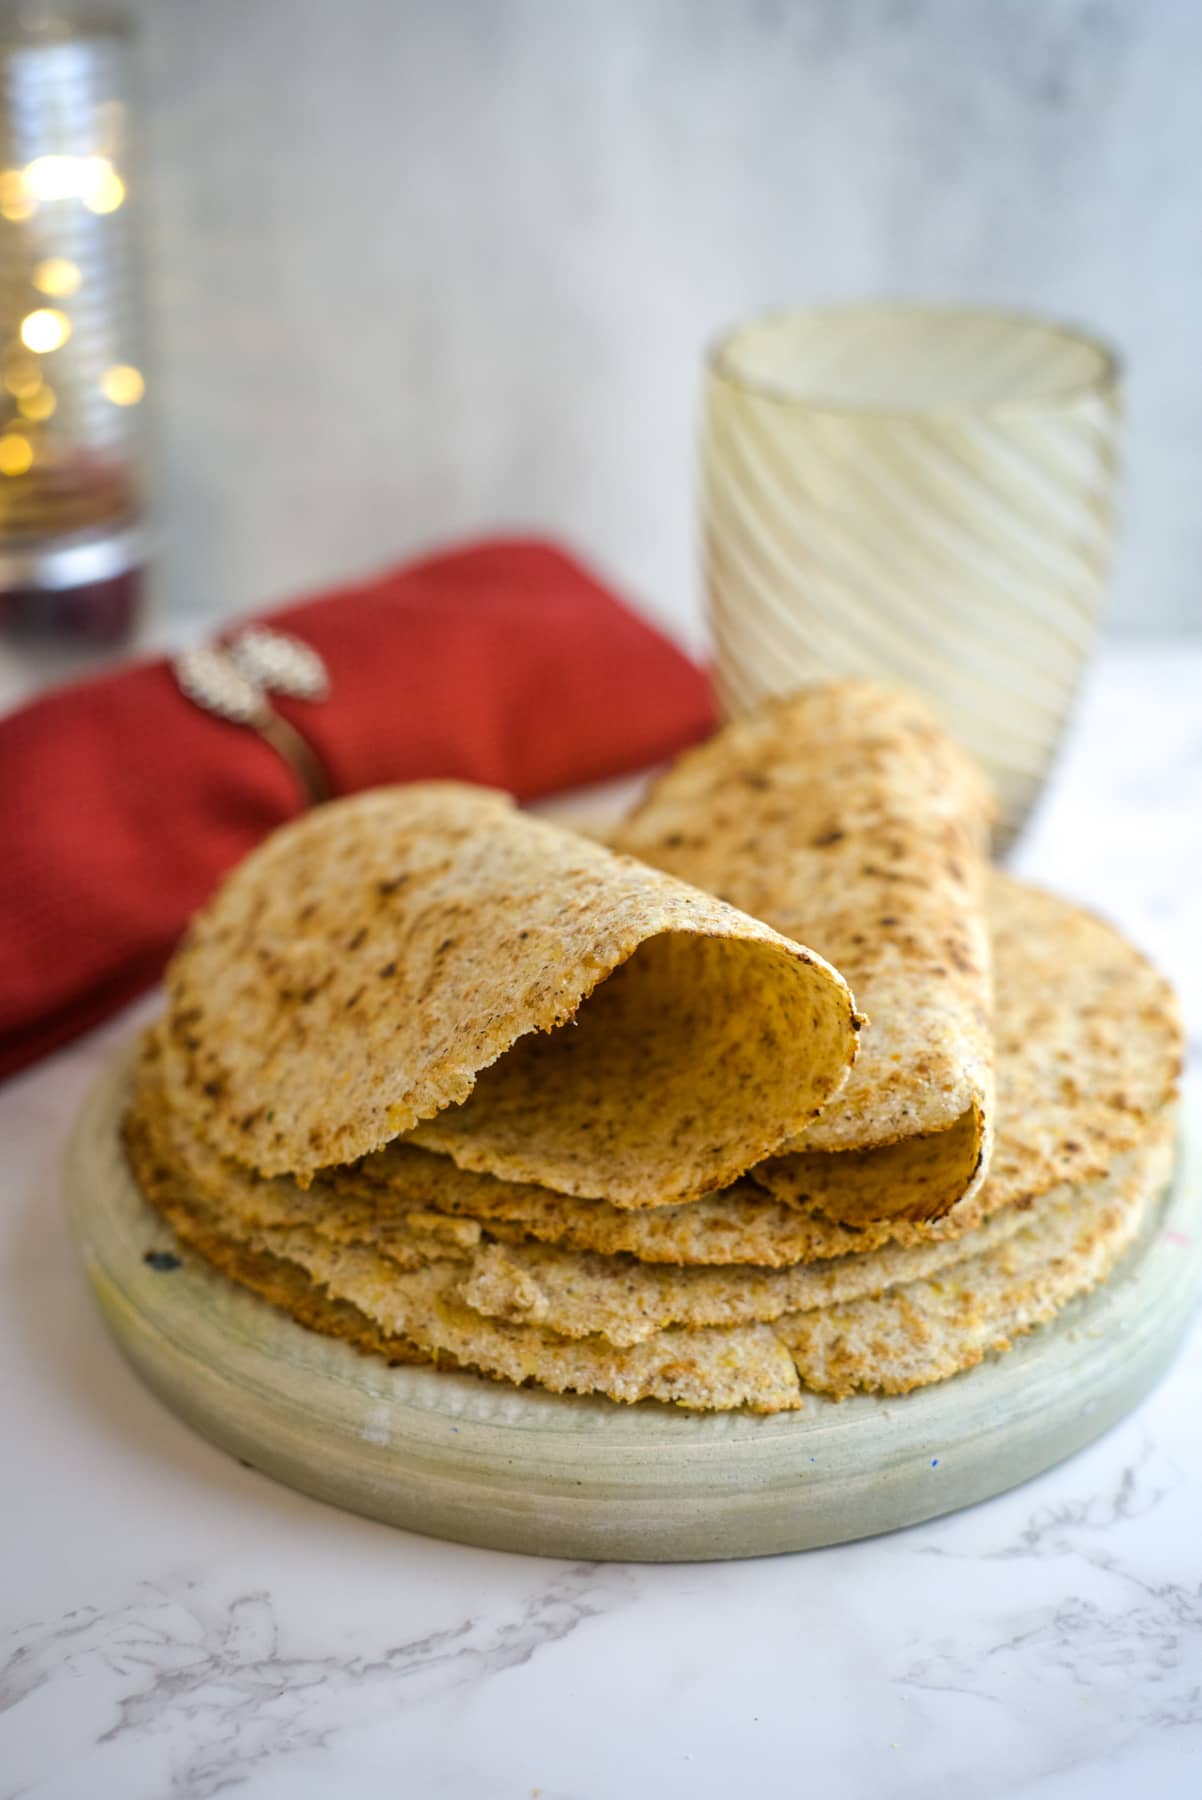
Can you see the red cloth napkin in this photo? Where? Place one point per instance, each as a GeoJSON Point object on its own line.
{"type": "Point", "coordinates": [121, 803]}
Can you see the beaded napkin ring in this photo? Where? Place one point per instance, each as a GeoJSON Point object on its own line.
{"type": "Point", "coordinates": [232, 681]}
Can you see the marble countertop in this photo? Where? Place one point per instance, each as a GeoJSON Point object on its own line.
{"type": "Point", "coordinates": [172, 1623]}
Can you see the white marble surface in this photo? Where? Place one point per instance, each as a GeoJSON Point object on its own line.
{"type": "Point", "coordinates": [172, 1624]}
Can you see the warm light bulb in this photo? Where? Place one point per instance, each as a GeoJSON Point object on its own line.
{"type": "Point", "coordinates": [102, 189]}
{"type": "Point", "coordinates": [38, 405]}
{"type": "Point", "coordinates": [91, 179]}
{"type": "Point", "coordinates": [123, 384]}
{"type": "Point", "coordinates": [22, 374]}
{"type": "Point", "coordinates": [52, 177]}
{"type": "Point", "coordinates": [45, 329]}
{"type": "Point", "coordinates": [57, 276]}
{"type": "Point", "coordinates": [16, 455]}
{"type": "Point", "coordinates": [15, 199]}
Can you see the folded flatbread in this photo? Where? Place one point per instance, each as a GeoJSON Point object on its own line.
{"type": "Point", "coordinates": [385, 1254]}
{"type": "Point", "coordinates": [1089, 1053]}
{"type": "Point", "coordinates": [573, 1018]}
{"type": "Point", "coordinates": [1089, 1046]}
{"type": "Point", "coordinates": [1058, 1137]}
{"type": "Point", "coordinates": [848, 820]}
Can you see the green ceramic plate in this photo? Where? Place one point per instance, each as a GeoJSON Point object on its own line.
{"type": "Point", "coordinates": [462, 1458]}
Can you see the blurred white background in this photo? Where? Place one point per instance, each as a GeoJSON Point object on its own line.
{"type": "Point", "coordinates": [421, 270]}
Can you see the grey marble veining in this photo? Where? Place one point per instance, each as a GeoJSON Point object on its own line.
{"type": "Point", "coordinates": [1136, 1630]}
{"type": "Point", "coordinates": [210, 1677]}
{"type": "Point", "coordinates": [200, 1688]}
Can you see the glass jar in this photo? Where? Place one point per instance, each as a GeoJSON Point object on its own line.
{"type": "Point", "coordinates": [72, 375]}
{"type": "Point", "coordinates": [919, 494]}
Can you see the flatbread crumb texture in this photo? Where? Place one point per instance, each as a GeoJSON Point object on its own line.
{"type": "Point", "coordinates": [847, 818]}
{"type": "Point", "coordinates": [574, 1018]}
{"type": "Point", "coordinates": [930, 1329]}
{"type": "Point", "coordinates": [1089, 1051]}
{"type": "Point", "coordinates": [1089, 1054]}
{"type": "Point", "coordinates": [410, 1310]}
{"type": "Point", "coordinates": [410, 1300]}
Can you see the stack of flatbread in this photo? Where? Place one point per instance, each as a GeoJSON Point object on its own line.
{"type": "Point", "coordinates": [782, 1088]}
